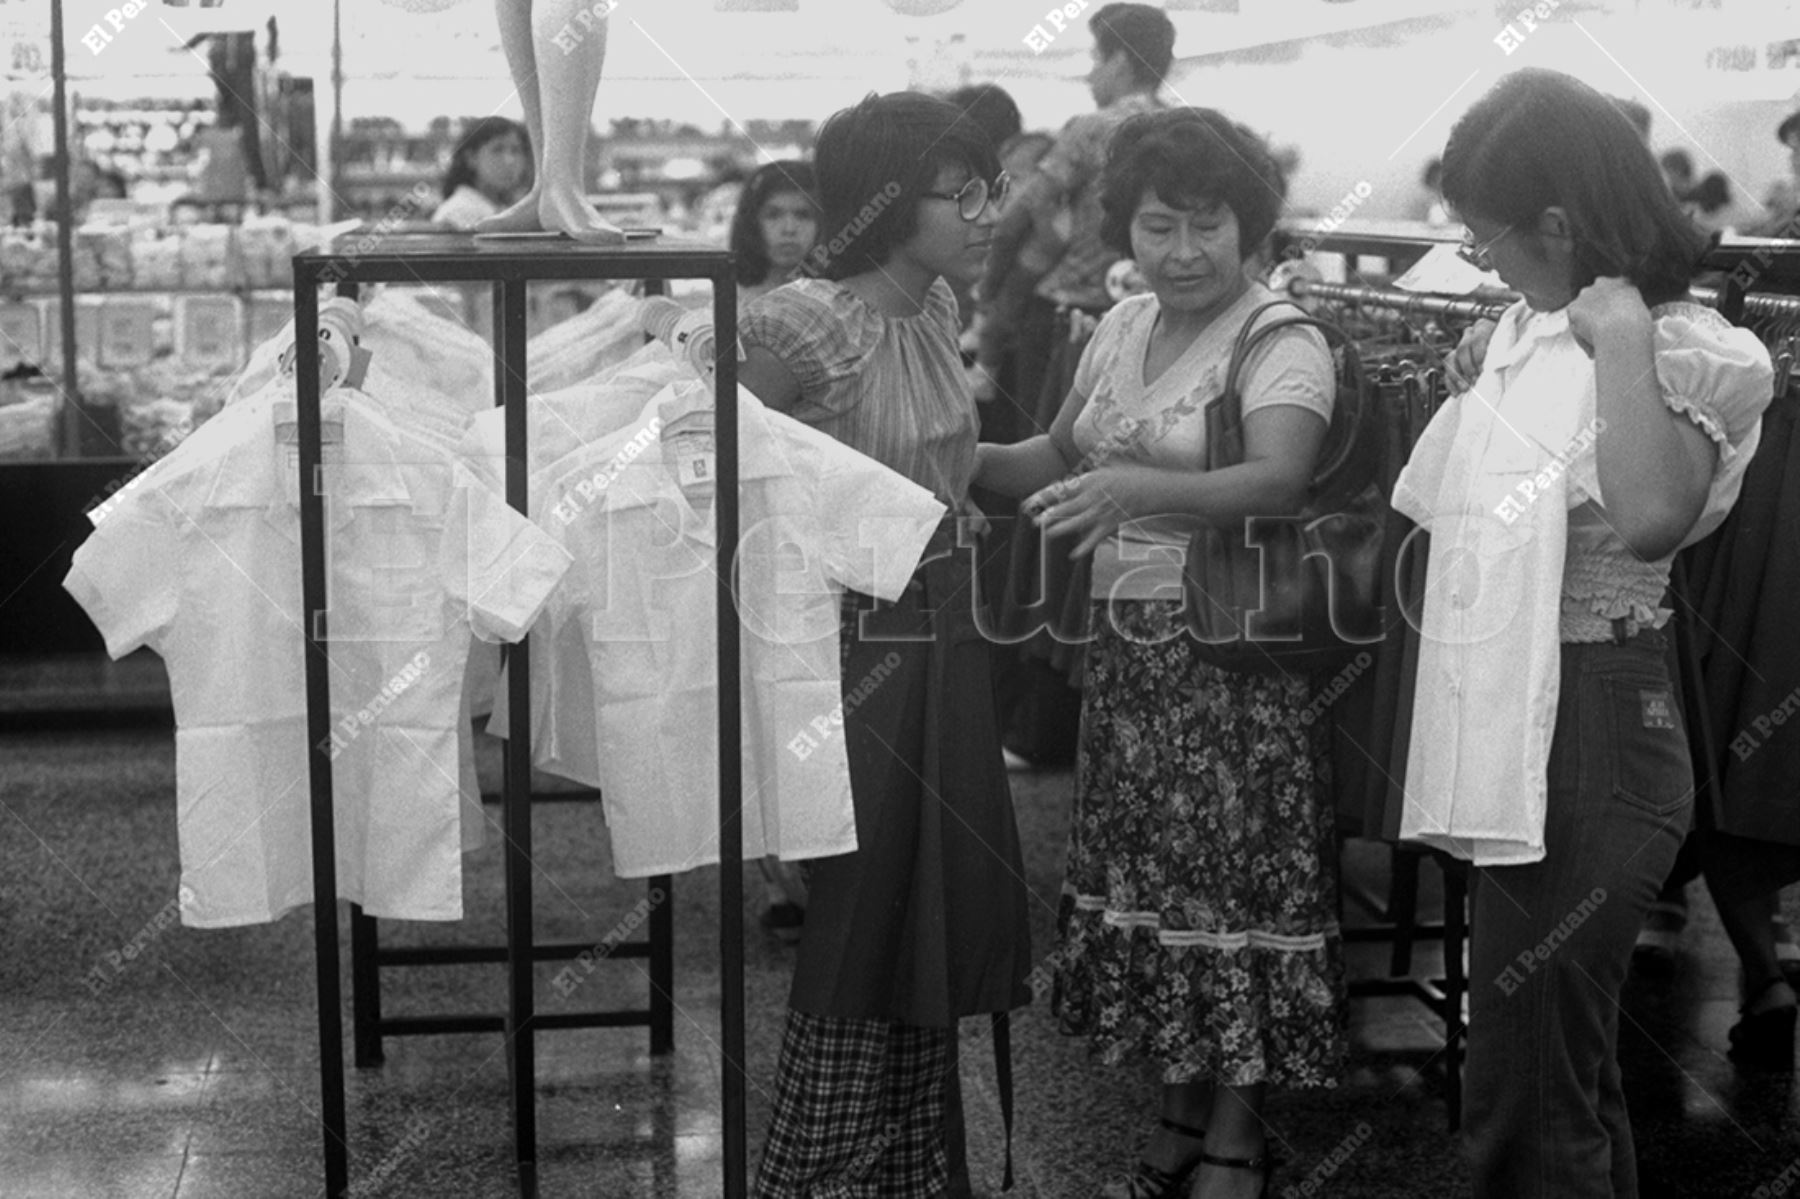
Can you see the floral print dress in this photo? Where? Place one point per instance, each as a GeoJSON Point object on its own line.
{"type": "Point", "coordinates": [1198, 923]}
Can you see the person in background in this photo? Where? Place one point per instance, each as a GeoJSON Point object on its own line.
{"type": "Point", "coordinates": [997, 323]}
{"type": "Point", "coordinates": [1562, 199]}
{"type": "Point", "coordinates": [1678, 172]}
{"type": "Point", "coordinates": [1429, 207]}
{"type": "Point", "coordinates": [1133, 49]}
{"type": "Point", "coordinates": [1199, 920]}
{"type": "Point", "coordinates": [992, 109]}
{"type": "Point", "coordinates": [1716, 208]}
{"type": "Point", "coordinates": [490, 169]}
{"type": "Point", "coordinates": [1783, 201]}
{"type": "Point", "coordinates": [774, 227]}
{"type": "Point", "coordinates": [926, 922]}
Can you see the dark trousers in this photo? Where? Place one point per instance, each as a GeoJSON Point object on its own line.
{"type": "Point", "coordinates": [1550, 942]}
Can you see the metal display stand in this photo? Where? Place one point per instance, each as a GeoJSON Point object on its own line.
{"type": "Point", "coordinates": [510, 265]}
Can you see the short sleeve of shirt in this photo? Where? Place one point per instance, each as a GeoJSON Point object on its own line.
{"type": "Point", "coordinates": [1293, 366]}
{"type": "Point", "coordinates": [1101, 354]}
{"type": "Point", "coordinates": [126, 575]}
{"type": "Point", "coordinates": [498, 565]}
{"type": "Point", "coordinates": [801, 325]}
{"type": "Point", "coordinates": [1717, 376]}
{"type": "Point", "coordinates": [873, 522]}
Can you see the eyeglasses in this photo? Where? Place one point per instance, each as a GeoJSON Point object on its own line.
{"type": "Point", "coordinates": [1479, 255]}
{"type": "Point", "coordinates": [975, 195]}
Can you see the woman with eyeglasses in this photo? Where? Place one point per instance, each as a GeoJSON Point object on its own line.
{"type": "Point", "coordinates": [1608, 425]}
{"type": "Point", "coordinates": [926, 922]}
{"type": "Point", "coordinates": [1199, 915]}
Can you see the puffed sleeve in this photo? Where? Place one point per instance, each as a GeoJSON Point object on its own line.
{"type": "Point", "coordinates": [1718, 376]}
{"type": "Point", "coordinates": [818, 332]}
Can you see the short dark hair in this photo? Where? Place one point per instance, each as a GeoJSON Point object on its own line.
{"type": "Point", "coordinates": [770, 180]}
{"type": "Point", "coordinates": [1187, 157]}
{"type": "Point", "coordinates": [1144, 33]}
{"type": "Point", "coordinates": [874, 161]}
{"type": "Point", "coordinates": [1540, 139]}
{"type": "Point", "coordinates": [477, 135]}
{"type": "Point", "coordinates": [989, 106]}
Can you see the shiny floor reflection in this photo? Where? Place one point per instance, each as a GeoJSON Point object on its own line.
{"type": "Point", "coordinates": [189, 1071]}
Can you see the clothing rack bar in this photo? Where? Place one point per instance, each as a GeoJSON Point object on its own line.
{"type": "Point", "coordinates": [1416, 304]}
{"type": "Point", "coordinates": [1407, 302]}
{"type": "Point", "coordinates": [1755, 303]}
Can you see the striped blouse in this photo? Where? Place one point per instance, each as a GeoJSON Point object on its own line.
{"type": "Point", "coordinates": [892, 388]}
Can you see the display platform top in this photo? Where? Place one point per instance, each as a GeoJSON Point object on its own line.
{"type": "Point", "coordinates": [372, 256]}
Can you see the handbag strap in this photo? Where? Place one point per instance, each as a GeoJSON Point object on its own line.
{"type": "Point", "coordinates": [1231, 413]}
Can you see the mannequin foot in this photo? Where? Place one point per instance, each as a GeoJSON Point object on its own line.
{"type": "Point", "coordinates": [519, 217]}
{"type": "Point", "coordinates": [565, 211]}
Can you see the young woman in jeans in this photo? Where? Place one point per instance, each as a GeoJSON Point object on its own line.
{"type": "Point", "coordinates": [1663, 398]}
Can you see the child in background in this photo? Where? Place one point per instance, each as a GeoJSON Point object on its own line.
{"type": "Point", "coordinates": [774, 227]}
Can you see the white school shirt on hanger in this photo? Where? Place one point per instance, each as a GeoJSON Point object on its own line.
{"type": "Point", "coordinates": [1490, 656]}
{"type": "Point", "coordinates": [204, 569]}
{"type": "Point", "coordinates": [249, 418]}
{"type": "Point", "coordinates": [815, 517]}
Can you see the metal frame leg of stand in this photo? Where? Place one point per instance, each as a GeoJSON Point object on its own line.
{"type": "Point", "coordinates": [332, 1118]}
{"type": "Point", "coordinates": [365, 987]}
{"type": "Point", "coordinates": [521, 1055]}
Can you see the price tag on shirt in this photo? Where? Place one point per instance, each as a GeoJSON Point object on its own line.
{"type": "Point", "coordinates": [126, 333]}
{"type": "Point", "coordinates": [206, 331]}
{"type": "Point", "coordinates": [691, 470]}
{"type": "Point", "coordinates": [21, 335]}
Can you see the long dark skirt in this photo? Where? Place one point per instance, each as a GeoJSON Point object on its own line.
{"type": "Point", "coordinates": [926, 922]}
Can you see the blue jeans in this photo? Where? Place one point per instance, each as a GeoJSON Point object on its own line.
{"type": "Point", "coordinates": [1544, 1114]}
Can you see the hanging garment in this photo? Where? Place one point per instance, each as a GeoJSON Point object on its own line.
{"type": "Point", "coordinates": [1490, 652]}
{"type": "Point", "coordinates": [202, 567]}
{"type": "Point", "coordinates": [815, 517]}
{"type": "Point", "coordinates": [1745, 577]}
{"type": "Point", "coordinates": [569, 419]}
{"type": "Point", "coordinates": [582, 348]}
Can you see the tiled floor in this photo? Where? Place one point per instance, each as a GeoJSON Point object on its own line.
{"type": "Point", "coordinates": [190, 1069]}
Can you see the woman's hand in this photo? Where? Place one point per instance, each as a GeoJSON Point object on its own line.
{"type": "Point", "coordinates": [1607, 305]}
{"type": "Point", "coordinates": [1093, 505]}
{"type": "Point", "coordinates": [1465, 364]}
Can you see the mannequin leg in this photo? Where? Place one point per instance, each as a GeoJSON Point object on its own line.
{"type": "Point", "coordinates": [555, 49]}
{"type": "Point", "coordinates": [570, 36]}
{"type": "Point", "coordinates": [521, 58]}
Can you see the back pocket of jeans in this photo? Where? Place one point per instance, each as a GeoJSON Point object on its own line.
{"type": "Point", "coordinates": [1647, 746]}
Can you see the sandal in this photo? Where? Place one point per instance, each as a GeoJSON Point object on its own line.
{"type": "Point", "coordinates": [1147, 1181]}
{"type": "Point", "coordinates": [1264, 1164]}
{"type": "Point", "coordinates": [1765, 1040]}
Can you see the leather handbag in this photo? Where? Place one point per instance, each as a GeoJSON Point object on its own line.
{"type": "Point", "coordinates": [1299, 593]}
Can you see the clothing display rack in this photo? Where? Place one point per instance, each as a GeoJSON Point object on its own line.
{"type": "Point", "coordinates": [509, 265]}
{"type": "Point", "coordinates": [367, 955]}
